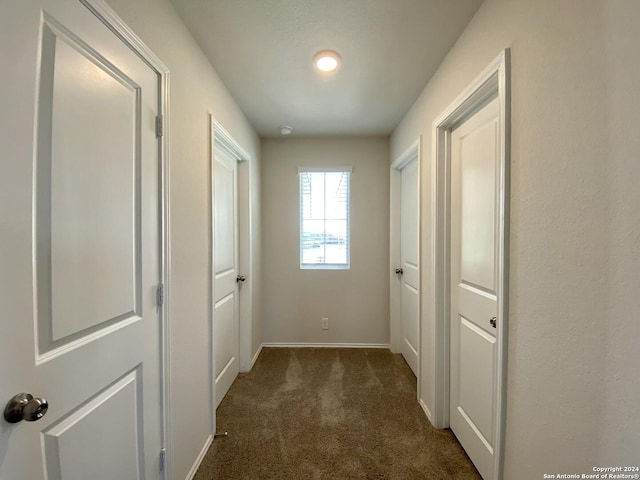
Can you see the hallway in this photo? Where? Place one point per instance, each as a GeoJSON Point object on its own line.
{"type": "Point", "coordinates": [322, 413]}
{"type": "Point", "coordinates": [159, 235]}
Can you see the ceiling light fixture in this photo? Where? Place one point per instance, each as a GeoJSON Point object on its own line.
{"type": "Point", "coordinates": [286, 130]}
{"type": "Point", "coordinates": [327, 60]}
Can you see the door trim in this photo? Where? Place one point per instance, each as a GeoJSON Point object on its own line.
{"type": "Point", "coordinates": [493, 82]}
{"type": "Point", "coordinates": [413, 152]}
{"type": "Point", "coordinates": [111, 20]}
{"type": "Point", "coordinates": [220, 136]}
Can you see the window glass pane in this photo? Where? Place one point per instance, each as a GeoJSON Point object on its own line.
{"type": "Point", "coordinates": [324, 219]}
{"type": "Point", "coordinates": [313, 241]}
{"type": "Point", "coordinates": [313, 195]}
{"type": "Point", "coordinates": [336, 195]}
{"type": "Point", "coordinates": [335, 241]}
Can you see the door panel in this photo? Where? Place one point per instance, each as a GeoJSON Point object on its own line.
{"type": "Point", "coordinates": [474, 223]}
{"type": "Point", "coordinates": [80, 263]}
{"type": "Point", "coordinates": [409, 324]}
{"type": "Point", "coordinates": [410, 261]}
{"type": "Point", "coordinates": [477, 350]}
{"type": "Point", "coordinates": [225, 289]}
{"type": "Point", "coordinates": [224, 252]}
{"type": "Point", "coordinates": [478, 205]}
{"type": "Point", "coordinates": [116, 413]}
{"type": "Point", "coordinates": [87, 192]}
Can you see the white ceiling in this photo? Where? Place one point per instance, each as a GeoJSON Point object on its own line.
{"type": "Point", "coordinates": [263, 49]}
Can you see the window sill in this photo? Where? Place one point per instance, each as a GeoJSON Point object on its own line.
{"type": "Point", "coordinates": [324, 267]}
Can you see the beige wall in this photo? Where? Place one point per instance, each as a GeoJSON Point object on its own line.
{"type": "Point", "coordinates": [573, 383]}
{"type": "Point", "coordinates": [196, 91]}
{"type": "Point", "coordinates": [356, 301]}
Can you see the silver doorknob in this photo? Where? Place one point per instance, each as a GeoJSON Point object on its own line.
{"type": "Point", "coordinates": [25, 407]}
{"type": "Point", "coordinates": [240, 278]}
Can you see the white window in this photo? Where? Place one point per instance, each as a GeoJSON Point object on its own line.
{"type": "Point", "coordinates": [324, 217]}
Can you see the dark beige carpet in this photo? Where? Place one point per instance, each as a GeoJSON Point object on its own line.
{"type": "Point", "coordinates": [316, 413]}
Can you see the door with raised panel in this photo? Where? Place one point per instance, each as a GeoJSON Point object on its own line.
{"type": "Point", "coordinates": [79, 248]}
{"type": "Point", "coordinates": [410, 261]}
{"type": "Point", "coordinates": [226, 320]}
{"type": "Point", "coordinates": [474, 246]}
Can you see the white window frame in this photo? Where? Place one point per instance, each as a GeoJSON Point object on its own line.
{"type": "Point", "coordinates": [325, 266]}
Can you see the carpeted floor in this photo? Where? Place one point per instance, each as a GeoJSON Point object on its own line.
{"type": "Point", "coordinates": [319, 413]}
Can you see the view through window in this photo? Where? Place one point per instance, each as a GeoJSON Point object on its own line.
{"type": "Point", "coordinates": [324, 219]}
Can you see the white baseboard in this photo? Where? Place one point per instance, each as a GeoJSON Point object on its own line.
{"type": "Point", "coordinates": [325, 345]}
{"type": "Point", "coordinates": [201, 455]}
{"type": "Point", "coordinates": [426, 410]}
{"type": "Point", "coordinates": [255, 357]}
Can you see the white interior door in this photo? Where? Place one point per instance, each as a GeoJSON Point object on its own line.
{"type": "Point", "coordinates": [474, 273]}
{"type": "Point", "coordinates": [410, 261]}
{"type": "Point", "coordinates": [80, 247]}
{"type": "Point", "coordinates": [225, 273]}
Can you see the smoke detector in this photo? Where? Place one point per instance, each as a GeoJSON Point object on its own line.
{"type": "Point", "coordinates": [286, 130]}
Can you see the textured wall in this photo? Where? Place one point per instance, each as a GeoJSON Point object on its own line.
{"type": "Point", "coordinates": [573, 386]}
{"type": "Point", "coordinates": [196, 91]}
{"type": "Point", "coordinates": [356, 301]}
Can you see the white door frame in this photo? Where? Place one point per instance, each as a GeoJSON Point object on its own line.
{"type": "Point", "coordinates": [102, 10]}
{"type": "Point", "coordinates": [493, 82]}
{"type": "Point", "coordinates": [395, 247]}
{"type": "Point", "coordinates": [221, 137]}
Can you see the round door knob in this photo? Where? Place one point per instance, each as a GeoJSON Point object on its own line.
{"type": "Point", "coordinates": [240, 278]}
{"type": "Point", "coordinates": [25, 407]}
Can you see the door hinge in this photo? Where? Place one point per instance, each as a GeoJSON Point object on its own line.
{"type": "Point", "coordinates": [159, 125]}
{"type": "Point", "coordinates": [163, 459]}
{"type": "Point", "coordinates": [160, 295]}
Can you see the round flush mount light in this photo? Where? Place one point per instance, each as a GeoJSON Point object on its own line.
{"type": "Point", "coordinates": [286, 130]}
{"type": "Point", "coordinates": [327, 60]}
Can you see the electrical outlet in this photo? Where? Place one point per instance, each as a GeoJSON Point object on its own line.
{"type": "Point", "coordinates": [325, 324]}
